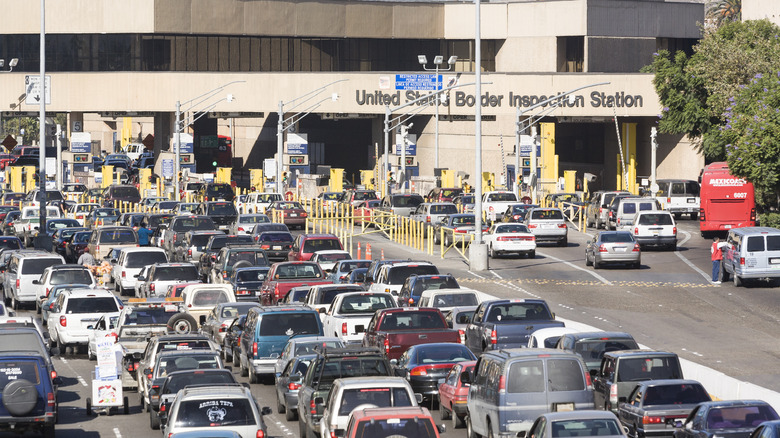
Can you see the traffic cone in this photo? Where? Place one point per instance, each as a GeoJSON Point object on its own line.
{"type": "Point", "coordinates": [368, 251]}
{"type": "Point", "coordinates": [383, 254]}
{"type": "Point", "coordinates": [358, 251]}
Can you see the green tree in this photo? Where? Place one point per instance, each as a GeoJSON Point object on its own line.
{"type": "Point", "coordinates": [724, 11]}
{"type": "Point", "coordinates": [695, 91]}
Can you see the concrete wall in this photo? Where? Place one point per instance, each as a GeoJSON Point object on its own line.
{"type": "Point", "coordinates": [758, 9]}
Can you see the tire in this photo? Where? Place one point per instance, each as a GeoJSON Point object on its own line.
{"type": "Point", "coordinates": [20, 397]}
{"type": "Point", "coordinates": [126, 406]}
{"type": "Point", "coordinates": [90, 354]}
{"type": "Point", "coordinates": [532, 254]}
{"type": "Point", "coordinates": [694, 216]}
{"type": "Point", "coordinates": [236, 359]}
{"type": "Point", "coordinates": [673, 247]}
{"type": "Point", "coordinates": [724, 274]}
{"type": "Point", "coordinates": [89, 406]}
{"type": "Point", "coordinates": [596, 263]}
{"type": "Point", "coordinates": [280, 408]}
{"type": "Point", "coordinates": [436, 239]}
{"type": "Point", "coordinates": [253, 377]}
{"type": "Point", "coordinates": [489, 430]}
{"type": "Point", "coordinates": [154, 420]}
{"type": "Point", "coordinates": [470, 430]}
{"type": "Point", "coordinates": [444, 413]}
{"type": "Point", "coordinates": [144, 406]}
{"type": "Point", "coordinates": [587, 260]}
{"type": "Point", "coordinates": [737, 280]}
{"type": "Point", "coordinates": [492, 254]}
{"type": "Point", "coordinates": [677, 216]}
{"type": "Point", "coordinates": [291, 415]}
{"type": "Point", "coordinates": [182, 323]}
{"type": "Point", "coordinates": [564, 242]}
{"type": "Point", "coordinates": [48, 431]}
{"type": "Point", "coordinates": [637, 265]}
{"type": "Point", "coordinates": [458, 422]}
{"type": "Point", "coordinates": [244, 371]}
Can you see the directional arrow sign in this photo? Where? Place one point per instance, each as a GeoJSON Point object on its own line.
{"type": "Point", "coordinates": [32, 89]}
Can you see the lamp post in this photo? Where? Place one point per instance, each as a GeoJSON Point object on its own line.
{"type": "Point", "coordinates": [437, 60]}
{"type": "Point", "coordinates": [478, 260]}
{"type": "Point", "coordinates": [42, 241]}
{"type": "Point", "coordinates": [180, 124]}
{"type": "Point", "coordinates": [292, 120]}
{"type": "Point", "coordinates": [556, 101]}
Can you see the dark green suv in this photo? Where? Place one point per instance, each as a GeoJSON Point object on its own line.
{"type": "Point", "coordinates": [236, 256]}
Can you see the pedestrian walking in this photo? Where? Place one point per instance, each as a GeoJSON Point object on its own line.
{"type": "Point", "coordinates": [717, 255]}
{"type": "Point", "coordinates": [144, 234]}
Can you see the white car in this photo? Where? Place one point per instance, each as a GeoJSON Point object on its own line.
{"type": "Point", "coordinates": [74, 311]}
{"type": "Point", "coordinates": [80, 212]}
{"type": "Point", "coordinates": [510, 237]}
{"type": "Point", "coordinates": [391, 277]}
{"type": "Point", "coordinates": [130, 263]}
{"type": "Point", "coordinates": [655, 228]}
{"type": "Point", "coordinates": [104, 327]}
{"type": "Point", "coordinates": [245, 223]}
{"type": "Point", "coordinates": [62, 274]}
{"type": "Point", "coordinates": [548, 337]}
{"type": "Point", "coordinates": [141, 281]}
{"type": "Point", "coordinates": [328, 258]}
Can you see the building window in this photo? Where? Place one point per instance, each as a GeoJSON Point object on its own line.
{"type": "Point", "coordinates": [571, 53]}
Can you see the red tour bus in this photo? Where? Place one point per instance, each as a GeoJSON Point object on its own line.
{"type": "Point", "coordinates": [726, 201]}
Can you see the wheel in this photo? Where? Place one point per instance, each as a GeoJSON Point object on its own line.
{"type": "Point", "coordinates": [489, 430]}
{"type": "Point", "coordinates": [470, 430]}
{"type": "Point", "coordinates": [436, 238]}
{"type": "Point", "coordinates": [280, 408]}
{"type": "Point", "coordinates": [637, 265]}
{"type": "Point", "coordinates": [673, 247]}
{"type": "Point", "coordinates": [724, 274]}
{"type": "Point", "coordinates": [182, 323]}
{"type": "Point", "coordinates": [457, 421]}
{"type": "Point", "coordinates": [677, 216]}
{"type": "Point", "coordinates": [48, 432]}
{"type": "Point", "coordinates": [694, 216]}
{"type": "Point", "coordinates": [492, 254]}
{"type": "Point", "coordinates": [564, 242]}
{"type": "Point", "coordinates": [14, 303]}
{"type": "Point", "coordinates": [244, 371]}
{"type": "Point", "coordinates": [20, 397]}
{"type": "Point", "coordinates": [587, 260]}
{"type": "Point", "coordinates": [126, 406]}
{"type": "Point", "coordinates": [596, 263]}
{"type": "Point", "coordinates": [236, 360]}
{"type": "Point", "coordinates": [90, 354]}
{"type": "Point", "coordinates": [532, 254]}
{"type": "Point", "coordinates": [737, 280]}
{"type": "Point", "coordinates": [253, 377]}
{"type": "Point", "coordinates": [291, 415]}
{"type": "Point", "coordinates": [89, 406]}
{"type": "Point", "coordinates": [144, 405]}
{"type": "Point", "coordinates": [444, 413]}
{"type": "Point", "coordinates": [154, 420]}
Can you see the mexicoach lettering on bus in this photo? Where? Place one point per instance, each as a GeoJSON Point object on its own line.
{"type": "Point", "coordinates": [727, 182]}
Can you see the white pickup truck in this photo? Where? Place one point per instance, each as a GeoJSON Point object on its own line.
{"type": "Point", "coordinates": [257, 202]}
{"type": "Point", "coordinates": [350, 313]}
{"type": "Point", "coordinates": [28, 223]}
{"type": "Point", "coordinates": [494, 204]}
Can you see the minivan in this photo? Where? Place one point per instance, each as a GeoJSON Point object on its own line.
{"type": "Point", "coordinates": [24, 267]}
{"type": "Point", "coordinates": [511, 388]}
{"type": "Point", "coordinates": [679, 196]}
{"type": "Point", "coordinates": [629, 207]}
{"type": "Point", "coordinates": [620, 371]}
{"type": "Point", "coordinates": [598, 209]}
{"type": "Point", "coordinates": [751, 252]}
{"type": "Point", "coordinates": [266, 332]}
{"type": "Point", "coordinates": [105, 239]}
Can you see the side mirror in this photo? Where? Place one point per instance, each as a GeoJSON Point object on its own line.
{"type": "Point", "coordinates": [321, 310]}
{"type": "Point", "coordinates": [593, 373]}
{"type": "Point", "coordinates": [57, 380]}
{"type": "Point", "coordinates": [90, 327]}
{"type": "Point", "coordinates": [393, 361]}
{"type": "Point", "coordinates": [36, 282]}
{"type": "Point", "coordinates": [113, 261]}
{"type": "Point", "coordinates": [319, 401]}
{"type": "Point", "coordinates": [465, 377]}
{"type": "Point", "coordinates": [43, 297]}
{"type": "Point", "coordinates": [339, 433]}
{"type": "Point", "coordinates": [418, 397]}
{"type": "Point", "coordinates": [521, 434]}
{"type": "Point", "coordinates": [621, 399]}
{"type": "Point", "coordinates": [147, 371]}
{"type": "Point", "coordinates": [265, 411]}
{"type": "Point", "coordinates": [296, 378]}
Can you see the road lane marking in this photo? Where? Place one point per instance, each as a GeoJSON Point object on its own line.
{"type": "Point", "coordinates": [595, 275]}
{"type": "Point", "coordinates": [494, 273]}
{"type": "Point", "coordinates": [476, 275]}
{"type": "Point", "coordinates": [81, 380]}
{"type": "Point", "coordinates": [687, 237]}
{"type": "Point", "coordinates": [692, 266]}
{"type": "Point", "coordinates": [117, 433]}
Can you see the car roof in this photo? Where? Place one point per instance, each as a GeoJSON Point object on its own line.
{"type": "Point", "coordinates": [394, 412]}
{"type": "Point", "coordinates": [142, 249]}
{"type": "Point", "coordinates": [211, 391]}
{"type": "Point", "coordinates": [511, 353]}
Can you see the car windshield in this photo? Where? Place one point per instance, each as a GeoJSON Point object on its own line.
{"type": "Point", "coordinates": [331, 196]}
{"type": "Point", "coordinates": [255, 257]}
{"type": "Point", "coordinates": [349, 265]}
{"type": "Point", "coordinates": [270, 197]}
{"type": "Point", "coordinates": [454, 299]}
{"type": "Point", "coordinates": [399, 427]}
{"type": "Point", "coordinates": [167, 364]}
{"type": "Point", "coordinates": [589, 427]}
{"type": "Point", "coordinates": [172, 273]}
{"type": "Point", "coordinates": [236, 310]}
{"type": "Point", "coordinates": [333, 257]}
{"type": "Point", "coordinates": [209, 297]}
{"type": "Point", "coordinates": [738, 417]}
{"type": "Point", "coordinates": [289, 324]}
{"type": "Point", "coordinates": [645, 368]}
{"type": "Point", "coordinates": [70, 276]}
{"type": "Point", "coordinates": [179, 381]}
{"type": "Point", "coordinates": [517, 312]}
{"type": "Point", "coordinates": [215, 412]}
{"type": "Point", "coordinates": [200, 240]}
{"type": "Point", "coordinates": [328, 295]}
{"type": "Point", "coordinates": [16, 341]}
{"type": "Point", "coordinates": [365, 303]}
{"type": "Point", "coordinates": [675, 394]}
{"type": "Point", "coordinates": [314, 245]}
{"type": "Point", "coordinates": [156, 220]}
{"type": "Point", "coordinates": [362, 196]}
{"type": "Point", "coordinates": [450, 193]}
{"type": "Point", "coordinates": [407, 201]}
{"type": "Point", "coordinates": [444, 209]}
{"type": "Point", "coordinates": [547, 214]}
{"type": "Point", "coordinates": [399, 274]}
{"type": "Point", "coordinates": [299, 270]}
{"type": "Point", "coordinates": [11, 243]}
{"type": "Point", "coordinates": [194, 223]}
{"type": "Point", "coordinates": [91, 305]}
{"type": "Point", "coordinates": [121, 237]}
{"type": "Point", "coordinates": [502, 197]}
{"type": "Point", "coordinates": [222, 208]}
{"type": "Point", "coordinates": [37, 265]}
{"type": "Point", "coordinates": [15, 369]}
{"type": "Point", "coordinates": [463, 220]}
{"type": "Point", "coordinates": [443, 353]}
{"type": "Point", "coordinates": [655, 219]}
{"type": "Point", "coordinates": [125, 192]}
{"type": "Point", "coordinates": [593, 349]}
{"type": "Point", "coordinates": [81, 237]}
{"type": "Point", "coordinates": [218, 189]}
{"type": "Point", "coordinates": [435, 282]}
{"type": "Point", "coordinates": [275, 237]}
{"type": "Point", "coordinates": [220, 240]}
{"type": "Point", "coordinates": [74, 188]}
{"type": "Point", "coordinates": [514, 228]}
{"type": "Point", "coordinates": [107, 212]}
{"type": "Point", "coordinates": [379, 397]}
{"type": "Point", "coordinates": [252, 275]}
{"type": "Point", "coordinates": [64, 223]}
{"type": "Point", "coordinates": [288, 206]}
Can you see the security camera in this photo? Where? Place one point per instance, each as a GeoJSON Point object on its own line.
{"type": "Point", "coordinates": [590, 177]}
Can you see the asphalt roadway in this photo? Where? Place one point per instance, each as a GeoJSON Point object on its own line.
{"type": "Point", "coordinates": [668, 304]}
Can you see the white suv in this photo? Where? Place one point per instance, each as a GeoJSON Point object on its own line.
{"type": "Point", "coordinates": [391, 277]}
{"type": "Point", "coordinates": [74, 311]}
{"type": "Point", "coordinates": [130, 263]}
{"type": "Point", "coordinates": [655, 227]}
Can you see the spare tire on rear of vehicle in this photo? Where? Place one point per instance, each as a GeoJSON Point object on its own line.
{"type": "Point", "coordinates": [20, 397]}
{"type": "Point", "coordinates": [242, 264]}
{"type": "Point", "coordinates": [182, 323]}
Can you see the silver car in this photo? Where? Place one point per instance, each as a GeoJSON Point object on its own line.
{"type": "Point", "coordinates": [286, 390]}
{"type": "Point", "coordinates": [547, 225]}
{"type": "Point", "coordinates": [583, 423]}
{"type": "Point", "coordinates": [219, 318]}
{"type": "Point", "coordinates": [194, 244]}
{"type": "Point", "coordinates": [431, 213]}
{"type": "Point", "coordinates": [245, 223]}
{"type": "Point", "coordinates": [613, 247]}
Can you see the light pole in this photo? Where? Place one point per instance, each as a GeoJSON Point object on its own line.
{"type": "Point", "coordinates": [556, 101]}
{"type": "Point", "coordinates": [180, 124]}
{"type": "Point", "coordinates": [478, 260]}
{"type": "Point", "coordinates": [437, 60]}
{"type": "Point", "coordinates": [41, 240]}
{"type": "Point", "coordinates": [292, 120]}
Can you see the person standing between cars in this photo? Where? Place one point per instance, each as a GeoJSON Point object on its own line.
{"type": "Point", "coordinates": [717, 255]}
{"type": "Point", "coordinates": [86, 259]}
{"type": "Point", "coordinates": [144, 234]}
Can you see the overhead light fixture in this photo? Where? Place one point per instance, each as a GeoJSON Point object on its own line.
{"type": "Point", "coordinates": [422, 59]}
{"type": "Point", "coordinates": [438, 59]}
{"type": "Point", "coordinates": [452, 60]}
{"type": "Point", "coordinates": [13, 62]}
{"type": "Point", "coordinates": [2, 63]}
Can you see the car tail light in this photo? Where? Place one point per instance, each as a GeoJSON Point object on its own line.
{"type": "Point", "coordinates": [63, 321]}
{"type": "Point", "coordinates": [701, 214]}
{"type": "Point", "coordinates": [647, 419]}
{"type": "Point", "coordinates": [502, 384]}
{"type": "Point", "coordinates": [742, 261]}
{"type": "Point", "coordinates": [313, 407]}
{"type": "Point", "coordinates": [636, 247]}
{"type": "Point", "coordinates": [97, 249]}
{"type": "Point", "coordinates": [254, 349]}
{"type": "Point", "coordinates": [462, 334]}
{"type": "Point", "coordinates": [162, 409]}
{"type": "Point", "coordinates": [260, 433]}
{"type": "Point", "coordinates": [265, 246]}
{"type": "Point", "coordinates": [427, 219]}
{"type": "Point", "coordinates": [292, 386]}
{"type": "Point", "coordinates": [213, 257]}
{"type": "Point", "coordinates": [277, 292]}
{"type": "Point", "coordinates": [419, 371]}
{"type": "Point", "coordinates": [531, 225]}
{"type": "Point", "coordinates": [189, 253]}
{"type": "Point", "coordinates": [636, 231]}
{"type": "Point", "coordinates": [344, 328]}
{"type": "Point", "coordinates": [411, 302]}
{"type": "Point", "coordinates": [50, 401]}
{"type": "Point", "coordinates": [240, 292]}
{"type": "Point", "coordinates": [223, 327]}
{"type": "Point", "coordinates": [53, 374]}
{"type": "Point", "coordinates": [151, 287]}
{"type": "Point", "coordinates": [493, 337]}
{"type": "Point", "coordinates": [561, 225]}
{"type": "Point", "coordinates": [240, 229]}
{"type": "Point", "coordinates": [175, 237]}
{"type": "Point", "coordinates": [387, 346]}
{"type": "Point", "coordinates": [17, 283]}
{"type": "Point", "coordinates": [588, 381]}
{"type": "Point", "coordinates": [613, 394]}
{"type": "Point", "coordinates": [47, 291]}
{"type": "Point", "coordinates": [516, 217]}
{"type": "Point", "coordinates": [602, 248]}
{"type": "Point", "coordinates": [674, 230]}
{"type": "Point", "coordinates": [752, 215]}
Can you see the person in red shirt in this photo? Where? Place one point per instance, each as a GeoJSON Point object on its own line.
{"type": "Point", "coordinates": [717, 255]}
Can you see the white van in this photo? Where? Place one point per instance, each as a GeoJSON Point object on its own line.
{"type": "Point", "coordinates": [751, 252]}
{"type": "Point", "coordinates": [679, 196]}
{"type": "Point", "coordinates": [129, 264]}
{"type": "Point", "coordinates": [23, 268]}
{"type": "Point", "coordinates": [629, 207]}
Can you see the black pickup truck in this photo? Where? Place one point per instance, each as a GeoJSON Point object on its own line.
{"type": "Point", "coordinates": [499, 324]}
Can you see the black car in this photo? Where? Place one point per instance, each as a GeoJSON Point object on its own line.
{"type": "Point", "coordinates": [415, 285]}
{"type": "Point", "coordinates": [235, 256]}
{"type": "Point", "coordinates": [28, 398]}
{"type": "Point", "coordinates": [277, 244]}
{"type": "Point", "coordinates": [248, 281]}
{"type": "Point", "coordinates": [356, 276]}
{"type": "Point", "coordinates": [216, 243]}
{"type": "Point", "coordinates": [223, 213]}
{"type": "Point", "coordinates": [53, 225]}
{"type": "Point", "coordinates": [730, 418]}
{"type": "Point", "coordinates": [230, 342]}
{"type": "Point", "coordinates": [8, 220]}
{"type": "Point", "coordinates": [655, 405]}
{"type": "Point", "coordinates": [157, 219]}
{"type": "Point", "coordinates": [61, 237]}
{"type": "Point", "coordinates": [120, 193]}
{"type": "Point", "coordinates": [216, 192]}
{"type": "Point", "coordinates": [77, 245]}
{"type": "Point", "coordinates": [423, 365]}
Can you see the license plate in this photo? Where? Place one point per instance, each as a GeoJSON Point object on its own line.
{"type": "Point", "coordinates": [359, 329]}
{"type": "Point", "coordinates": [564, 407]}
{"type": "Point", "coordinates": [293, 214]}
{"type": "Point", "coordinates": [656, 233]}
{"type": "Point", "coordinates": [620, 249]}
{"type": "Point", "coordinates": [691, 200]}
{"type": "Point", "coordinates": [277, 248]}
{"type": "Point", "coordinates": [548, 225]}
{"type": "Point", "coordinates": [774, 261]}
{"type": "Point", "coordinates": [727, 226]}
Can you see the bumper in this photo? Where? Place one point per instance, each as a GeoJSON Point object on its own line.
{"type": "Point", "coordinates": [460, 408]}
{"type": "Point", "coordinates": [514, 246]}
{"type": "Point", "coordinates": [655, 240]}
{"type": "Point", "coordinates": [429, 388]}
{"type": "Point", "coordinates": [277, 254]}
{"type": "Point", "coordinates": [264, 366]}
{"type": "Point", "coordinates": [19, 424]}
{"type": "Point", "coordinates": [294, 220]}
{"type": "Point", "coordinates": [628, 257]}
{"type": "Point", "coordinates": [127, 284]}
{"type": "Point", "coordinates": [128, 379]}
{"type": "Point", "coordinates": [549, 237]}
{"type": "Point", "coordinates": [68, 338]}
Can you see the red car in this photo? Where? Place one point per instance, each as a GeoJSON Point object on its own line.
{"type": "Point", "coordinates": [307, 244]}
{"type": "Point", "coordinates": [384, 422]}
{"type": "Point", "coordinates": [284, 276]}
{"type": "Point", "coordinates": [454, 394]}
{"type": "Point", "coordinates": [364, 211]}
{"type": "Point", "coordinates": [292, 213]}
